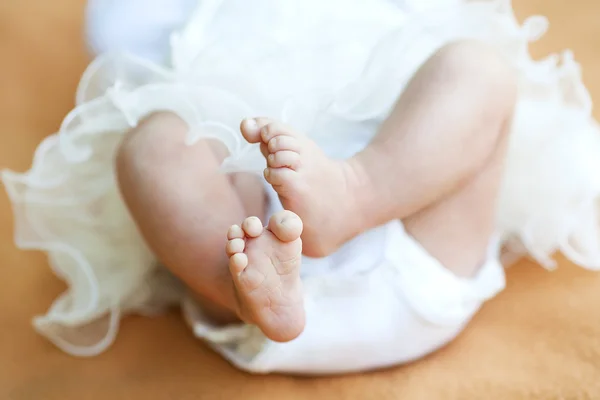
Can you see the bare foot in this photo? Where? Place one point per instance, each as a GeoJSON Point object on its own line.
{"type": "Point", "coordinates": [265, 267]}
{"type": "Point", "coordinates": [320, 190]}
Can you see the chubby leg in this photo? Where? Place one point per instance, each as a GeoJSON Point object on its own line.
{"type": "Point", "coordinates": [184, 208]}
{"type": "Point", "coordinates": [435, 164]}
{"type": "Point", "coordinates": [452, 124]}
{"type": "Point", "coordinates": [182, 205]}
{"type": "Point", "coordinates": [457, 228]}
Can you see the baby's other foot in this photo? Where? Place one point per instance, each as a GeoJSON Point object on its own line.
{"type": "Point", "coordinates": [320, 190]}
{"type": "Point", "coordinates": [265, 267]}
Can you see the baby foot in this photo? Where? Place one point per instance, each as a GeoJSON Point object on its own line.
{"type": "Point", "coordinates": [265, 266]}
{"type": "Point", "coordinates": [320, 190]}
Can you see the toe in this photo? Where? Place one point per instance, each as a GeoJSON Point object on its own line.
{"type": "Point", "coordinates": [251, 128]}
{"type": "Point", "coordinates": [284, 158]}
{"type": "Point", "coordinates": [286, 225]}
{"type": "Point", "coordinates": [235, 246]}
{"type": "Point", "coordinates": [237, 263]}
{"type": "Point", "coordinates": [280, 143]}
{"type": "Point", "coordinates": [252, 227]}
{"type": "Point", "coordinates": [275, 129]}
{"type": "Point", "coordinates": [235, 231]}
{"type": "Point", "coordinates": [264, 149]}
{"type": "Point", "coordinates": [280, 176]}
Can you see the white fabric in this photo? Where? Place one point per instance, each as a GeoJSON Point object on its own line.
{"type": "Point", "coordinates": [378, 301]}
{"type": "Point", "coordinates": [333, 69]}
{"type": "Point", "coordinates": [141, 26]}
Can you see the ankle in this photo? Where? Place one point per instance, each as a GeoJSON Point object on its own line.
{"type": "Point", "coordinates": [361, 191]}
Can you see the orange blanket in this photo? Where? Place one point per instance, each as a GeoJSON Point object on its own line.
{"type": "Point", "coordinates": [540, 339]}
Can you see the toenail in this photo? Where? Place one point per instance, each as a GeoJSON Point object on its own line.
{"type": "Point", "coordinates": [267, 172]}
{"type": "Point", "coordinates": [250, 123]}
{"type": "Point", "coordinates": [271, 157]}
{"type": "Point", "coordinates": [288, 218]}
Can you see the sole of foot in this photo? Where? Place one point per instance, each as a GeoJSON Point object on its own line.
{"type": "Point", "coordinates": [265, 266]}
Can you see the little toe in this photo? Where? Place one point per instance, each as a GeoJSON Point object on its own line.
{"type": "Point", "coordinates": [236, 245]}
{"type": "Point", "coordinates": [251, 128]}
{"type": "Point", "coordinates": [284, 158]}
{"type": "Point", "coordinates": [252, 227]}
{"type": "Point", "coordinates": [238, 263]}
{"type": "Point", "coordinates": [235, 231]}
{"type": "Point", "coordinates": [286, 226]}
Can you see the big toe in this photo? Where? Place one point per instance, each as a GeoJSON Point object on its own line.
{"type": "Point", "coordinates": [286, 226]}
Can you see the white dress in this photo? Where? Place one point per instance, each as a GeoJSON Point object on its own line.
{"type": "Point", "coordinates": [333, 69]}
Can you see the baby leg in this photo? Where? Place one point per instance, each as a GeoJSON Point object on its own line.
{"type": "Point", "coordinates": [435, 164]}
{"type": "Point", "coordinates": [183, 207]}
{"type": "Point", "coordinates": [181, 203]}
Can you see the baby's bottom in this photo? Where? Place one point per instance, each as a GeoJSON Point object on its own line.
{"type": "Point", "coordinates": [436, 164]}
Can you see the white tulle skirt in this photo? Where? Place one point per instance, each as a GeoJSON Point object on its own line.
{"type": "Point", "coordinates": [330, 68]}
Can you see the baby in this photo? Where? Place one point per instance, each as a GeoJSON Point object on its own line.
{"type": "Point", "coordinates": [401, 150]}
{"type": "Point", "coordinates": [435, 164]}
